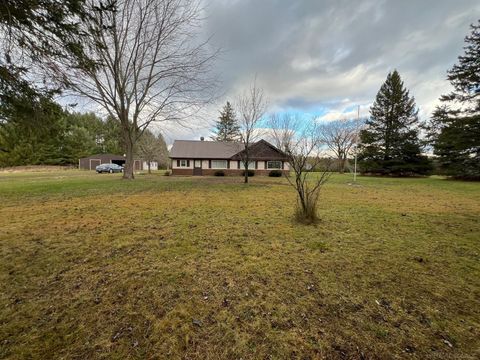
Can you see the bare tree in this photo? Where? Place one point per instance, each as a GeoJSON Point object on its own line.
{"type": "Point", "coordinates": [152, 148]}
{"type": "Point", "coordinates": [148, 65]}
{"type": "Point", "coordinates": [340, 136]}
{"type": "Point", "coordinates": [251, 107]}
{"type": "Point", "coordinates": [300, 140]}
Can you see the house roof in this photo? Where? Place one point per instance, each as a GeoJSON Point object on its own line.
{"type": "Point", "coordinates": [262, 150]}
{"type": "Point", "coordinates": [193, 149]}
{"type": "Point", "coordinates": [105, 156]}
{"type": "Point", "coordinates": [108, 157]}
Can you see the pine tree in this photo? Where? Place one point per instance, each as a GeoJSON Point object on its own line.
{"type": "Point", "coordinates": [465, 76]}
{"type": "Point", "coordinates": [226, 128]}
{"type": "Point", "coordinates": [30, 32]}
{"type": "Point", "coordinates": [390, 144]}
{"type": "Point", "coordinates": [455, 132]}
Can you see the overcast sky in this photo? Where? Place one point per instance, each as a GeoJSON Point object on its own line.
{"type": "Point", "coordinates": [325, 58]}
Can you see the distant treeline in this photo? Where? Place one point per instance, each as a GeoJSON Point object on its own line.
{"type": "Point", "coordinates": [46, 134]}
{"type": "Point", "coordinates": [49, 135]}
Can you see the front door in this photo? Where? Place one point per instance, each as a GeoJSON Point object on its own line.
{"type": "Point", "coordinates": [197, 167]}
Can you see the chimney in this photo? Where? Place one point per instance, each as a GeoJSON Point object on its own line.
{"type": "Point", "coordinates": [202, 138]}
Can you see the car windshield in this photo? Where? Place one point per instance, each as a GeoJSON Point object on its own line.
{"type": "Point", "coordinates": [109, 166]}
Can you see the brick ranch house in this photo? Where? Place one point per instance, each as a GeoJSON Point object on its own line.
{"type": "Point", "coordinates": [191, 157]}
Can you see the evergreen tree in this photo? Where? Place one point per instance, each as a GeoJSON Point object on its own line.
{"type": "Point", "coordinates": [162, 159]}
{"type": "Point", "coordinates": [465, 76]}
{"type": "Point", "coordinates": [24, 142]}
{"type": "Point", "coordinates": [110, 137]}
{"type": "Point", "coordinates": [30, 32]}
{"type": "Point", "coordinates": [454, 129]}
{"type": "Point", "coordinates": [227, 128]}
{"type": "Point", "coordinates": [41, 132]}
{"type": "Point", "coordinates": [390, 144]}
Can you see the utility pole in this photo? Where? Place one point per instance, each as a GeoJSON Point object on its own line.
{"type": "Point", "coordinates": [356, 147]}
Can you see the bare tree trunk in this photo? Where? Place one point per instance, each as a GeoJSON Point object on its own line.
{"type": "Point", "coordinates": [128, 169]}
{"type": "Point", "coordinates": [145, 64]}
{"type": "Point", "coordinates": [245, 164]}
{"type": "Point", "coordinates": [343, 164]}
{"type": "Point", "coordinates": [251, 105]}
{"type": "Point", "coordinates": [149, 171]}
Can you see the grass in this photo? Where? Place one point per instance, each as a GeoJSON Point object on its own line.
{"type": "Point", "coordinates": [94, 267]}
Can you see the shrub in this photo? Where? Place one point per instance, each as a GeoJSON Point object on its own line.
{"type": "Point", "coordinates": [250, 173]}
{"type": "Point", "coordinates": [219, 173]}
{"type": "Point", "coordinates": [306, 212]}
{"type": "Point", "coordinates": [308, 196]}
{"type": "Point", "coordinates": [167, 173]}
{"type": "Point", "coordinates": [275, 173]}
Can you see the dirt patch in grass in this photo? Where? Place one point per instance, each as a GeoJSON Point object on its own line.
{"type": "Point", "coordinates": [207, 268]}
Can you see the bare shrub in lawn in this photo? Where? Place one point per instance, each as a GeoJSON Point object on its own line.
{"type": "Point", "coordinates": [308, 196]}
{"type": "Point", "coordinates": [300, 140]}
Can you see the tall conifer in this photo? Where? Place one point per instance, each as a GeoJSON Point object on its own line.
{"type": "Point", "coordinates": [390, 144]}
{"type": "Point", "coordinates": [454, 129]}
{"type": "Point", "coordinates": [226, 128]}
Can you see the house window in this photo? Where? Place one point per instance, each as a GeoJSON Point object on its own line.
{"type": "Point", "coordinates": [251, 165]}
{"type": "Point", "coordinates": [274, 164]}
{"type": "Point", "coordinates": [219, 164]}
{"type": "Point", "coordinates": [183, 163]}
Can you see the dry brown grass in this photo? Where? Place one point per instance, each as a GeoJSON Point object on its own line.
{"type": "Point", "coordinates": [34, 168]}
{"type": "Point", "coordinates": [209, 268]}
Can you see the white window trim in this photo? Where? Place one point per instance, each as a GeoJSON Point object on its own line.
{"type": "Point", "coordinates": [251, 165]}
{"type": "Point", "coordinates": [225, 162]}
{"type": "Point", "coordinates": [274, 168]}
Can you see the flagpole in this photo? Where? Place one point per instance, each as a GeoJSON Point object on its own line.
{"type": "Point", "coordinates": [356, 147]}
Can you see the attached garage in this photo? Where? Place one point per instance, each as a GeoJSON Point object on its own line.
{"type": "Point", "coordinates": [91, 162]}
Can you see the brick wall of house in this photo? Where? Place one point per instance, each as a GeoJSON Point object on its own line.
{"type": "Point", "coordinates": [227, 172]}
{"type": "Point", "coordinates": [183, 171]}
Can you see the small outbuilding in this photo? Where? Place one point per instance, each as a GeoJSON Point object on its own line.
{"type": "Point", "coordinates": [91, 162]}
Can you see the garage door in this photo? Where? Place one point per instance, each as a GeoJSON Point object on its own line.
{"type": "Point", "coordinates": [137, 165]}
{"type": "Point", "coordinates": [94, 163]}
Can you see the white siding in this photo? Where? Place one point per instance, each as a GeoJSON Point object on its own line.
{"type": "Point", "coordinates": [174, 164]}
{"type": "Point", "coordinates": [153, 165]}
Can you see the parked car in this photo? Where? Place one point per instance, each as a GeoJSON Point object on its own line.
{"type": "Point", "coordinates": [109, 168]}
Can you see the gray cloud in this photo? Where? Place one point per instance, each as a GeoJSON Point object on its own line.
{"type": "Point", "coordinates": [328, 54]}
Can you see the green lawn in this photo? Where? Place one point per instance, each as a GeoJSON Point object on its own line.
{"type": "Point", "coordinates": [96, 267]}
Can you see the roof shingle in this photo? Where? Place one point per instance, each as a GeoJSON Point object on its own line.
{"type": "Point", "coordinates": [194, 149]}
